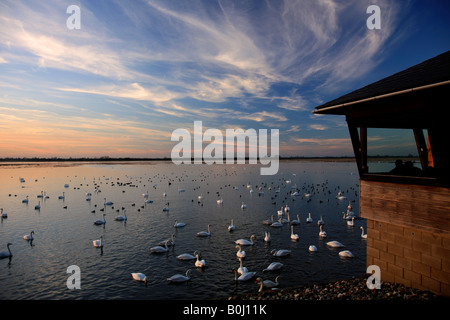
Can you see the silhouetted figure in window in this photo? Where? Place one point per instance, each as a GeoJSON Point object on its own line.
{"type": "Point", "coordinates": [399, 168]}
{"type": "Point", "coordinates": [411, 170]}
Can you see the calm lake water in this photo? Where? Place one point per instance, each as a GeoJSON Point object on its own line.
{"type": "Point", "coordinates": [64, 228]}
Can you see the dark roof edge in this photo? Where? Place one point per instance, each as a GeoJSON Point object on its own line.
{"type": "Point", "coordinates": [326, 110]}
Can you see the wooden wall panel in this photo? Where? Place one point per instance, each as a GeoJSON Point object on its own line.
{"type": "Point", "coordinates": [423, 207]}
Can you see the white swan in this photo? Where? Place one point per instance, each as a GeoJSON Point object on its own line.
{"type": "Point", "coordinates": [204, 233]}
{"type": "Point", "coordinates": [364, 236]}
{"type": "Point", "coordinates": [309, 219]}
{"type": "Point", "coordinates": [179, 224]}
{"type": "Point", "coordinates": [108, 203]}
{"type": "Point", "coordinates": [340, 196]}
{"type": "Point", "coordinates": [322, 233]}
{"type": "Point", "coordinates": [3, 214]}
{"type": "Point", "coordinates": [335, 244]}
{"type": "Point", "coordinates": [63, 196]}
{"type": "Point", "coordinates": [280, 253]}
{"type": "Point", "coordinates": [268, 283]}
{"type": "Point", "coordinates": [294, 236]}
{"type": "Point", "coordinates": [38, 206]}
{"type": "Point", "coordinates": [244, 242]}
{"type": "Point", "coordinates": [280, 212]}
{"type": "Point", "coordinates": [274, 266]}
{"type": "Point", "coordinates": [199, 263]}
{"type": "Point", "coordinates": [267, 237]}
{"type": "Point", "coordinates": [139, 277]}
{"type": "Point", "coordinates": [25, 200]}
{"type": "Point", "coordinates": [170, 242]}
{"type": "Point", "coordinates": [241, 270]}
{"type": "Point", "coordinates": [98, 243]}
{"type": "Point", "coordinates": [99, 221]}
{"type": "Point", "coordinates": [28, 237]}
{"type": "Point", "coordinates": [276, 224]}
{"type": "Point", "coordinates": [312, 248]}
{"type": "Point", "coordinates": [220, 201]}
{"type": "Point", "coordinates": [186, 256]}
{"type": "Point", "coordinates": [243, 277]}
{"type": "Point", "coordinates": [296, 221]}
{"type": "Point", "coordinates": [200, 197]}
{"type": "Point", "coordinates": [243, 205]}
{"type": "Point", "coordinates": [6, 254]}
{"type": "Point", "coordinates": [351, 223]}
{"type": "Point", "coordinates": [159, 249]}
{"type": "Point", "coordinates": [346, 254]}
{"type": "Point", "coordinates": [231, 227]}
{"type": "Point", "coordinates": [122, 218]}
{"type": "Point", "coordinates": [145, 195]}
{"type": "Point", "coordinates": [320, 221]}
{"type": "Point", "coordinates": [240, 253]}
{"type": "Point", "coordinates": [180, 277]}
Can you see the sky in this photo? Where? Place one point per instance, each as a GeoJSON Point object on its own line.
{"type": "Point", "coordinates": [135, 71]}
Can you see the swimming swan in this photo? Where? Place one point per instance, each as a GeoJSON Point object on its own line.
{"type": "Point", "coordinates": [98, 243]}
{"type": "Point", "coordinates": [294, 236]}
{"type": "Point", "coordinates": [28, 237]}
{"type": "Point", "coordinates": [139, 277]}
{"type": "Point", "coordinates": [274, 266]}
{"type": "Point", "coordinates": [364, 236]}
{"type": "Point", "coordinates": [6, 254]}
{"type": "Point", "coordinates": [280, 253]}
{"type": "Point", "coordinates": [244, 242]}
{"type": "Point", "coordinates": [180, 277]}
{"type": "Point", "coordinates": [99, 221]}
{"type": "Point", "coordinates": [204, 233]}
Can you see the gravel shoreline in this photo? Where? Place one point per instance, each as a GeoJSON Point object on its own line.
{"type": "Point", "coordinates": [351, 289]}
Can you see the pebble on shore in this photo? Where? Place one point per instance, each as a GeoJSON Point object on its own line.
{"type": "Point", "coordinates": [352, 289]}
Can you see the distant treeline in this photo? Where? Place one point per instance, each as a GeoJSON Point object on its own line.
{"type": "Point", "coordinates": [123, 159]}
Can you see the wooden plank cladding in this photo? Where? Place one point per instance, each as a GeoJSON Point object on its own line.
{"type": "Point", "coordinates": [416, 206]}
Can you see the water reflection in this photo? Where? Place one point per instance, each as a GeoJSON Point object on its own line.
{"type": "Point", "coordinates": [155, 196]}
